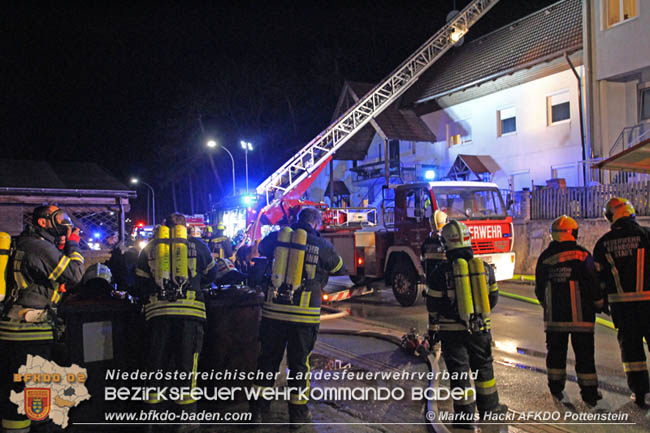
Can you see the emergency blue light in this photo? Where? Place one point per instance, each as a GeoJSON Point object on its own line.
{"type": "Point", "coordinates": [97, 235]}
{"type": "Point", "coordinates": [249, 199]}
{"type": "Point", "coordinates": [430, 174]}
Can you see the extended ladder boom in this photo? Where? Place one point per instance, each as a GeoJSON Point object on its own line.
{"type": "Point", "coordinates": [321, 148]}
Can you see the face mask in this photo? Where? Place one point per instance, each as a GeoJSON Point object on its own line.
{"type": "Point", "coordinates": [60, 221]}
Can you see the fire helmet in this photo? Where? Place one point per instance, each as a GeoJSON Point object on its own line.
{"type": "Point", "coordinates": [438, 220]}
{"type": "Point", "coordinates": [220, 226]}
{"type": "Point", "coordinates": [617, 208]}
{"type": "Point", "coordinates": [564, 229]}
{"type": "Point", "coordinates": [456, 235]}
{"type": "Point", "coordinates": [97, 271]}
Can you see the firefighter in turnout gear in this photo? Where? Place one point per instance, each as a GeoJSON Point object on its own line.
{"type": "Point", "coordinates": [220, 244]}
{"type": "Point", "coordinates": [433, 248]}
{"type": "Point", "coordinates": [461, 293]}
{"type": "Point", "coordinates": [40, 273]}
{"type": "Point", "coordinates": [567, 287]}
{"type": "Point", "coordinates": [302, 263]}
{"type": "Point", "coordinates": [170, 271]}
{"type": "Point", "coordinates": [623, 265]}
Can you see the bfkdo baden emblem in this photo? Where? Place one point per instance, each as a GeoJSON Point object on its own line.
{"type": "Point", "coordinates": [38, 402]}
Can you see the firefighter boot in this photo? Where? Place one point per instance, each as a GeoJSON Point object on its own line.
{"type": "Point", "coordinates": [299, 414]}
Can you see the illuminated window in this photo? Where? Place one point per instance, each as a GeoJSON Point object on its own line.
{"type": "Point", "coordinates": [558, 107]}
{"type": "Point", "coordinates": [617, 11]}
{"type": "Point", "coordinates": [507, 121]}
{"type": "Point", "coordinates": [645, 103]}
{"type": "Point", "coordinates": [459, 132]}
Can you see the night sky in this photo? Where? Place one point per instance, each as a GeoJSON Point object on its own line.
{"type": "Point", "coordinates": [125, 86]}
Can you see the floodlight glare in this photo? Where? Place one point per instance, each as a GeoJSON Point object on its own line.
{"type": "Point", "coordinates": [430, 174]}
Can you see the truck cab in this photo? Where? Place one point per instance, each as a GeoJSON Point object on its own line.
{"type": "Point", "coordinates": [479, 205]}
{"type": "Point", "coordinates": [393, 252]}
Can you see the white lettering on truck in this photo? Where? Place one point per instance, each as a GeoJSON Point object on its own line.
{"type": "Point", "coordinates": [485, 232]}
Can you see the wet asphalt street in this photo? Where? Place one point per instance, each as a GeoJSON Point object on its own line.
{"type": "Point", "coordinates": [519, 358]}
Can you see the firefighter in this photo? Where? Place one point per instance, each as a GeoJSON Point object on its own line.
{"type": "Point", "coordinates": [169, 274]}
{"type": "Point", "coordinates": [220, 244]}
{"type": "Point", "coordinates": [622, 264]}
{"type": "Point", "coordinates": [461, 292]}
{"type": "Point", "coordinates": [41, 271]}
{"type": "Point", "coordinates": [291, 313]}
{"type": "Point", "coordinates": [433, 248]}
{"type": "Point", "coordinates": [568, 289]}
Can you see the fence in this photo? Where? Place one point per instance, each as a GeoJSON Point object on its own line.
{"type": "Point", "coordinates": [587, 202]}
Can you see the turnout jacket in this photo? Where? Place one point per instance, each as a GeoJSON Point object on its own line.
{"type": "Point", "coordinates": [319, 252]}
{"type": "Point", "coordinates": [567, 287]}
{"type": "Point", "coordinates": [39, 270]}
{"type": "Point", "coordinates": [221, 245]}
{"type": "Point", "coordinates": [623, 266]}
{"type": "Point", "coordinates": [202, 269]}
{"type": "Point", "coordinates": [441, 293]}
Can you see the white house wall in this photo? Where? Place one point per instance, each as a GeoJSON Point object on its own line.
{"type": "Point", "coordinates": [535, 147]}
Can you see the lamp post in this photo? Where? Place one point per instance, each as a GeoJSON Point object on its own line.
{"type": "Point", "coordinates": [135, 181]}
{"type": "Point", "coordinates": [212, 144]}
{"type": "Point", "coordinates": [246, 146]}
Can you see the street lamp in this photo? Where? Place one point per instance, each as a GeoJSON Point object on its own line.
{"type": "Point", "coordinates": [212, 144]}
{"type": "Point", "coordinates": [246, 146]}
{"type": "Point", "coordinates": [135, 181]}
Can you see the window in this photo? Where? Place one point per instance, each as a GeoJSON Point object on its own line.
{"type": "Point", "coordinates": [558, 107]}
{"type": "Point", "coordinates": [507, 121]}
{"type": "Point", "coordinates": [617, 11]}
{"type": "Point", "coordinates": [469, 202]}
{"type": "Point", "coordinates": [644, 99]}
{"type": "Point", "coordinates": [459, 132]}
{"type": "Point", "coordinates": [418, 204]}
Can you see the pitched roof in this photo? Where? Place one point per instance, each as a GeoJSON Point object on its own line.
{"type": "Point", "coordinates": [17, 174]}
{"type": "Point", "coordinates": [394, 123]}
{"type": "Point", "coordinates": [541, 36]}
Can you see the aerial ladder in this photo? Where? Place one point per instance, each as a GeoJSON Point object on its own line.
{"type": "Point", "coordinates": [292, 179]}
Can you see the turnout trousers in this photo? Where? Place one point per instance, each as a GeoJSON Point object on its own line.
{"type": "Point", "coordinates": [463, 352]}
{"type": "Point", "coordinates": [633, 327]}
{"type": "Point", "coordinates": [14, 354]}
{"type": "Point", "coordinates": [583, 347]}
{"type": "Point", "coordinates": [298, 340]}
{"type": "Point", "coordinates": [174, 345]}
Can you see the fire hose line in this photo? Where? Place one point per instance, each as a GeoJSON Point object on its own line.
{"type": "Point", "coordinates": [603, 322]}
{"type": "Point", "coordinates": [431, 361]}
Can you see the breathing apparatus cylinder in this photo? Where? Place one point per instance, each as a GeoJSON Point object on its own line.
{"type": "Point", "coordinates": [463, 289]}
{"type": "Point", "coordinates": [179, 266]}
{"type": "Point", "coordinates": [162, 265]}
{"type": "Point", "coordinates": [480, 293]}
{"type": "Point", "coordinates": [5, 244]}
{"type": "Point", "coordinates": [281, 257]}
{"type": "Point", "coordinates": [296, 259]}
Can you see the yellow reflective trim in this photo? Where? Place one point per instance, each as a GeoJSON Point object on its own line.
{"type": "Point", "coordinates": [634, 366]}
{"type": "Point", "coordinates": [175, 312]}
{"type": "Point", "coordinates": [494, 287]}
{"type": "Point", "coordinates": [142, 273]}
{"type": "Point", "coordinates": [60, 267]}
{"type": "Point", "coordinates": [290, 317]}
{"type": "Point", "coordinates": [77, 257]}
{"type": "Point", "coordinates": [338, 266]}
{"type": "Point", "coordinates": [561, 371]}
{"type": "Point", "coordinates": [566, 256]}
{"type": "Point", "coordinates": [487, 384]}
{"type": "Point", "coordinates": [305, 299]}
{"type": "Point", "coordinates": [191, 295]}
{"type": "Point", "coordinates": [16, 424]}
{"type": "Point", "coordinates": [311, 311]}
{"type": "Point", "coordinates": [32, 336]}
{"type": "Point", "coordinates": [195, 364]}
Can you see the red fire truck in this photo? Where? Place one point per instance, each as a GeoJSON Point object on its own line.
{"type": "Point", "coordinates": [392, 251]}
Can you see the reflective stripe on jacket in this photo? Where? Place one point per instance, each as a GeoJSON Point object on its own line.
{"type": "Point", "coordinates": [567, 288]}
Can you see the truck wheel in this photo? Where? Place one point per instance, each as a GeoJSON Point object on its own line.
{"type": "Point", "coordinates": [405, 286]}
{"type": "Point", "coordinates": [359, 280]}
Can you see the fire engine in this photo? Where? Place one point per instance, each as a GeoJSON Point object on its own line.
{"type": "Point", "coordinates": [389, 251]}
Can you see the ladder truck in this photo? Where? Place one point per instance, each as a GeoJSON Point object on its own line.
{"type": "Point", "coordinates": [281, 192]}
